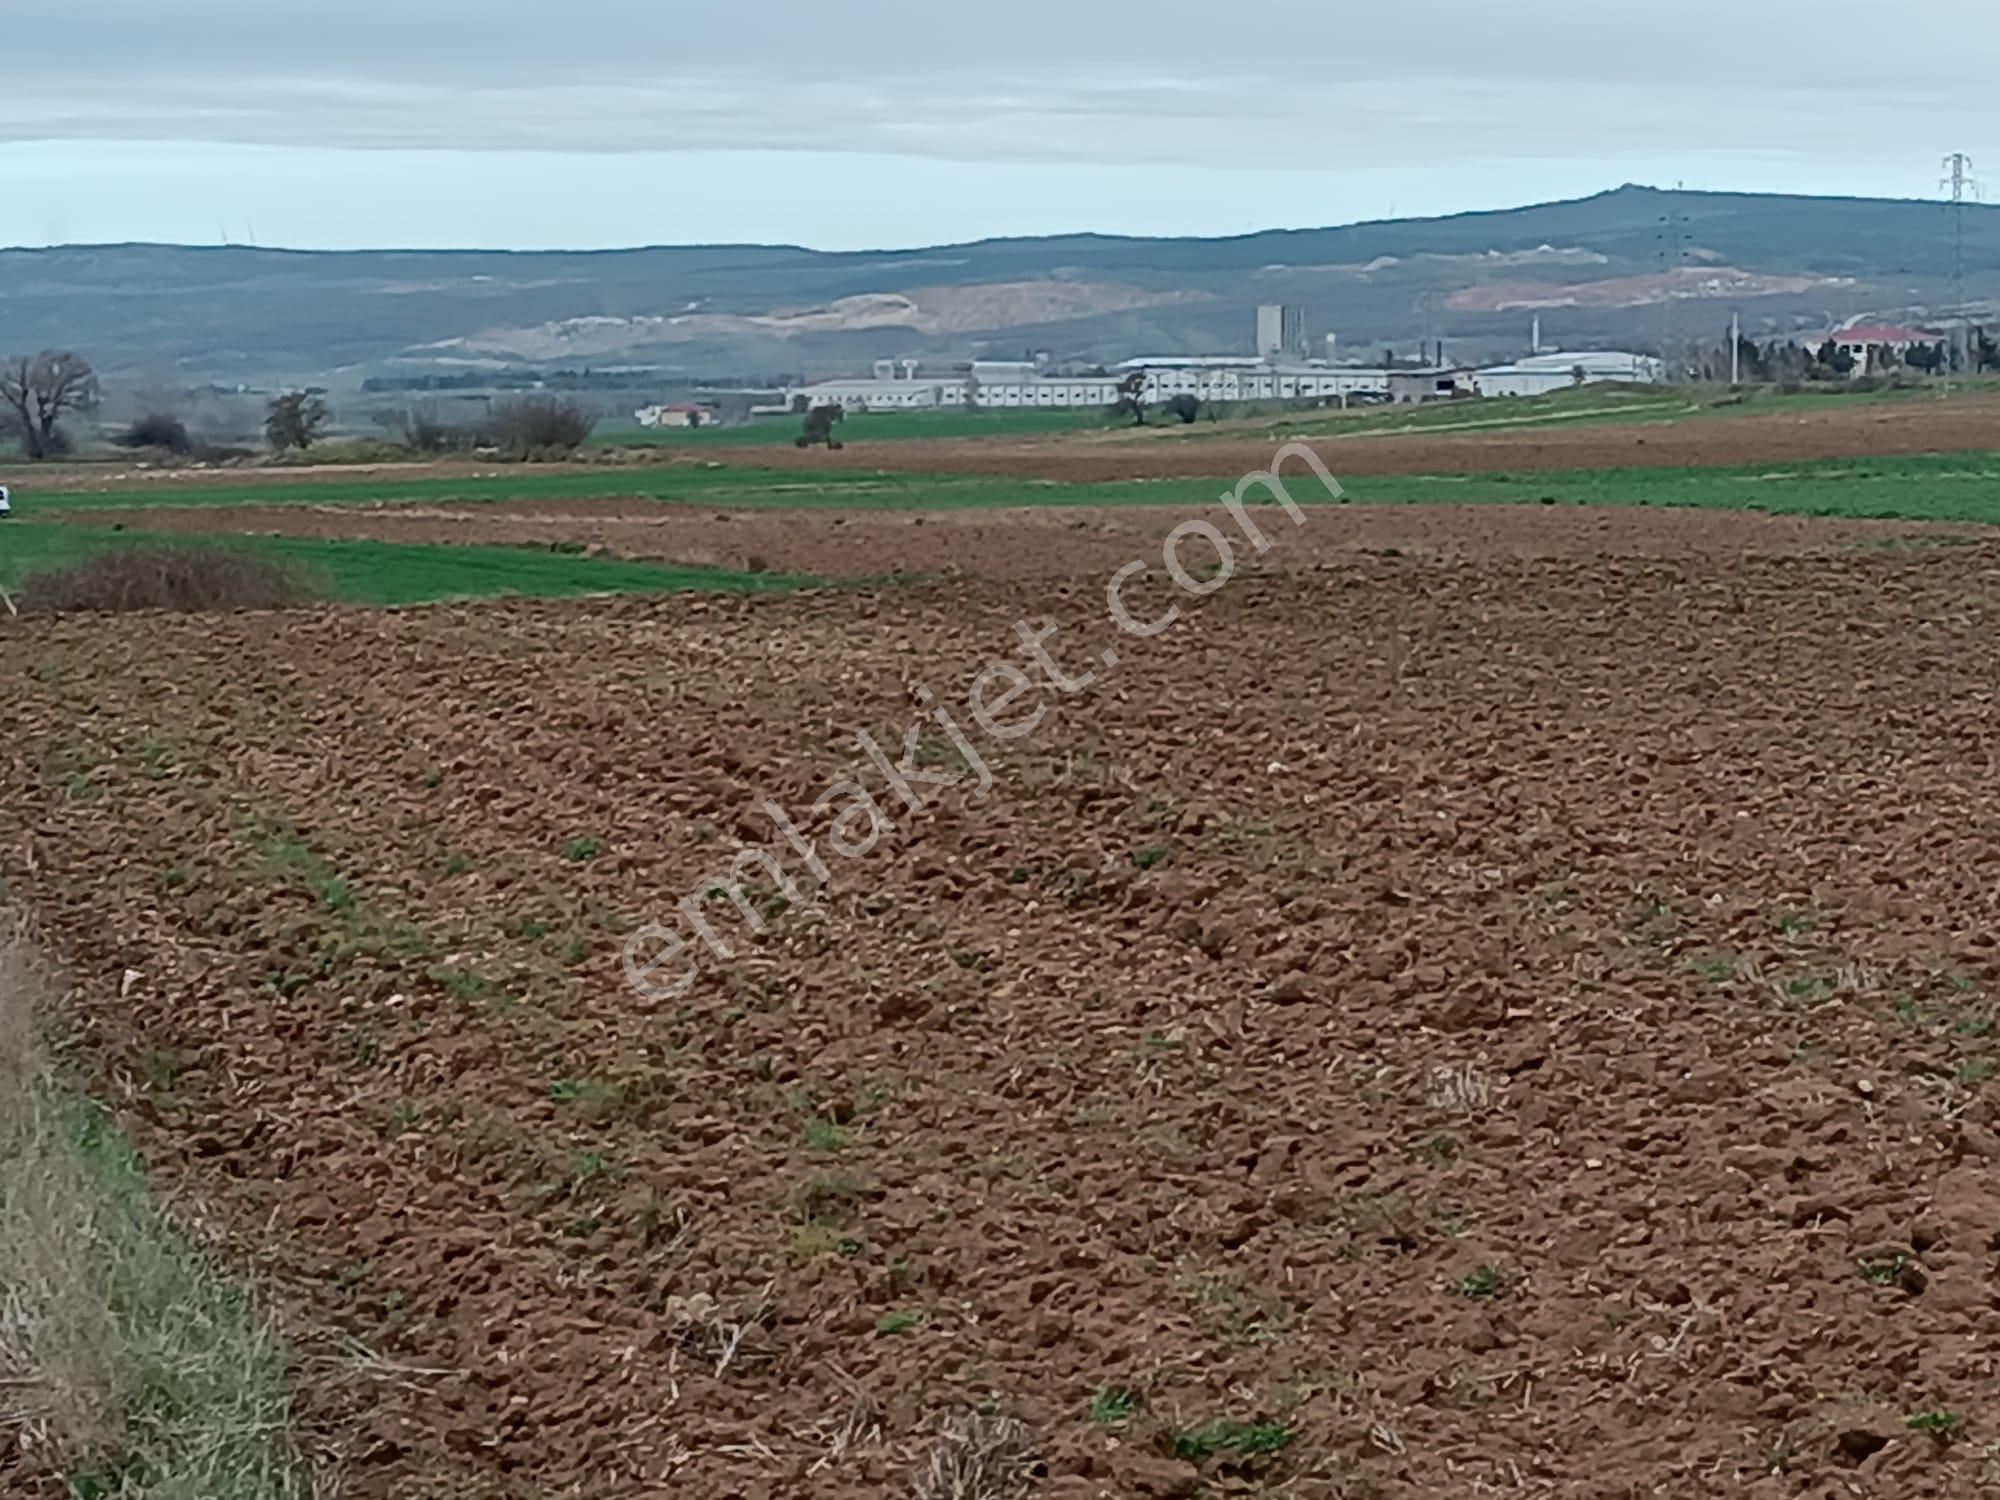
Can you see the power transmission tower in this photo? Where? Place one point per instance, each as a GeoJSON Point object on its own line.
{"type": "Point", "coordinates": [1959, 181]}
{"type": "Point", "coordinates": [1673, 254]}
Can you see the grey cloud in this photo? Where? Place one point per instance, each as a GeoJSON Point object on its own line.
{"type": "Point", "coordinates": [1280, 82]}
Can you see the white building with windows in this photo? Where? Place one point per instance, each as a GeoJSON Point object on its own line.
{"type": "Point", "coordinates": [1279, 371]}
{"type": "Point", "coordinates": [1539, 374]}
{"type": "Point", "coordinates": [1219, 378]}
{"type": "Point", "coordinates": [1011, 387]}
{"type": "Point", "coordinates": [1232, 378]}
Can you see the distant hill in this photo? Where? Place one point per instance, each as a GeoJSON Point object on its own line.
{"type": "Point", "coordinates": [1599, 270]}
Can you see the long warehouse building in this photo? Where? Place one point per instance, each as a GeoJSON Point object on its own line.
{"type": "Point", "coordinates": [1011, 386]}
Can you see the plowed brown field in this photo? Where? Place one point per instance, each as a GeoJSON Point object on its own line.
{"type": "Point", "coordinates": [1756, 435]}
{"type": "Point", "coordinates": [1070, 543]}
{"type": "Point", "coordinates": [1516, 1016]}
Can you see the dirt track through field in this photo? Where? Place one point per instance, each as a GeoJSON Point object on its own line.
{"type": "Point", "coordinates": [1498, 1020]}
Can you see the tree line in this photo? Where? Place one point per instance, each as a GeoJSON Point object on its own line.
{"type": "Point", "coordinates": [1786, 361]}
{"type": "Point", "coordinates": [40, 393]}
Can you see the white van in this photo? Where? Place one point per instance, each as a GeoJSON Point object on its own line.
{"type": "Point", "coordinates": [6, 504]}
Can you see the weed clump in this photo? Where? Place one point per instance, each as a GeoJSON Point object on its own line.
{"type": "Point", "coordinates": [1114, 1406]}
{"type": "Point", "coordinates": [1224, 1436]}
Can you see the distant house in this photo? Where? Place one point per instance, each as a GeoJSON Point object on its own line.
{"type": "Point", "coordinates": [1867, 343]}
{"type": "Point", "coordinates": [675, 414]}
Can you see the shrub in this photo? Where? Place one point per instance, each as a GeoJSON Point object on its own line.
{"type": "Point", "coordinates": [157, 430]}
{"type": "Point", "coordinates": [424, 431]}
{"type": "Point", "coordinates": [183, 578]}
{"type": "Point", "coordinates": [541, 427]}
{"type": "Point", "coordinates": [342, 451]}
{"type": "Point", "coordinates": [819, 425]}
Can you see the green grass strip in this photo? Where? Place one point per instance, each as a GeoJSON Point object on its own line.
{"type": "Point", "coordinates": [391, 573]}
{"type": "Point", "coordinates": [157, 1376]}
{"type": "Point", "coordinates": [1939, 487]}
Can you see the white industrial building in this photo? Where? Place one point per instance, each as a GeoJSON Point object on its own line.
{"type": "Point", "coordinates": [1012, 386]}
{"type": "Point", "coordinates": [1231, 378]}
{"type": "Point", "coordinates": [1539, 374]}
{"type": "Point", "coordinates": [1220, 378]}
{"type": "Point", "coordinates": [675, 414]}
{"type": "Point", "coordinates": [1280, 371]}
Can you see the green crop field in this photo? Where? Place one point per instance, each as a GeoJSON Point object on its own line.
{"type": "Point", "coordinates": [1586, 406]}
{"type": "Point", "coordinates": [390, 573]}
{"type": "Point", "coordinates": [1954, 487]}
{"type": "Point", "coordinates": [1591, 404]}
{"type": "Point", "coordinates": [1959, 488]}
{"type": "Point", "coordinates": [387, 487]}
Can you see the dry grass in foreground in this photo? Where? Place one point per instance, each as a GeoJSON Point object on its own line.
{"type": "Point", "coordinates": [126, 1362]}
{"type": "Point", "coordinates": [186, 578]}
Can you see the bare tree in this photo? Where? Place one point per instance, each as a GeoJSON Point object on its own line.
{"type": "Point", "coordinates": [541, 427]}
{"type": "Point", "coordinates": [39, 390]}
{"type": "Point", "coordinates": [1131, 400]}
{"type": "Point", "coordinates": [294, 420]}
{"type": "Point", "coordinates": [423, 431]}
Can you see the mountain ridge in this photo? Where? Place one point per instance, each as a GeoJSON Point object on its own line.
{"type": "Point", "coordinates": [253, 313]}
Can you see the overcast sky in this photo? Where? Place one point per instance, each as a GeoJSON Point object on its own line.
{"type": "Point", "coordinates": [853, 123]}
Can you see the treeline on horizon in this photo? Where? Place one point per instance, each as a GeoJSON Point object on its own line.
{"type": "Point", "coordinates": [566, 380]}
